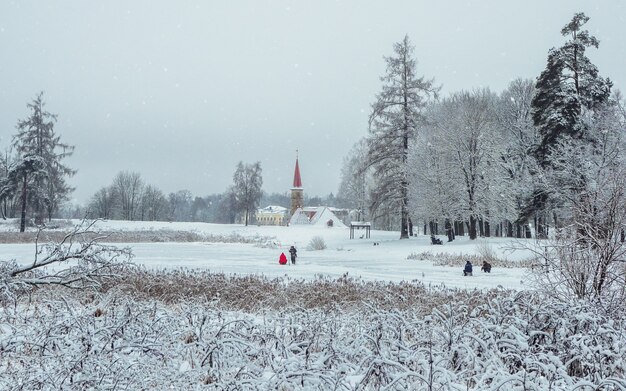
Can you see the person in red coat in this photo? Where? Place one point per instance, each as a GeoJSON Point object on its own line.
{"type": "Point", "coordinates": [282, 259]}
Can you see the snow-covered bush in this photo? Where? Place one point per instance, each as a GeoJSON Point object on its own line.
{"type": "Point", "coordinates": [78, 260]}
{"type": "Point", "coordinates": [486, 252]}
{"type": "Point", "coordinates": [341, 334]}
{"type": "Point", "coordinates": [451, 259]}
{"type": "Point", "coordinates": [317, 243]}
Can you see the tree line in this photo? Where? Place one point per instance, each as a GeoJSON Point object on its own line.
{"type": "Point", "coordinates": [480, 162]}
{"type": "Point", "coordinates": [128, 197]}
{"type": "Point", "coordinates": [543, 158]}
{"type": "Point", "coordinates": [34, 187]}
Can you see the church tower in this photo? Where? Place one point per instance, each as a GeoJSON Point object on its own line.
{"type": "Point", "coordinates": [297, 192]}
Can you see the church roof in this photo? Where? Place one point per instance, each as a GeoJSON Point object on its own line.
{"type": "Point", "coordinates": [297, 180]}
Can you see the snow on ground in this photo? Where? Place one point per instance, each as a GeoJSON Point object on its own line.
{"type": "Point", "coordinates": [359, 258]}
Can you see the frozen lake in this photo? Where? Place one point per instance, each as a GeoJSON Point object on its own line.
{"type": "Point", "coordinates": [359, 258]}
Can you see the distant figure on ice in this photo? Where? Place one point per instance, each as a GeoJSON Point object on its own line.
{"type": "Point", "coordinates": [293, 252]}
{"type": "Point", "coordinates": [434, 240]}
{"type": "Point", "coordinates": [282, 259]}
{"type": "Point", "coordinates": [486, 267]}
{"type": "Point", "coordinates": [467, 271]}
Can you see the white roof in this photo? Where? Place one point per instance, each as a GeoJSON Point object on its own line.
{"type": "Point", "coordinates": [324, 215]}
{"type": "Point", "coordinates": [299, 218]}
{"type": "Point", "coordinates": [273, 209]}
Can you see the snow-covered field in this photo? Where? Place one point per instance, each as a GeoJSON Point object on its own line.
{"type": "Point", "coordinates": [381, 257]}
{"type": "Point", "coordinates": [131, 335]}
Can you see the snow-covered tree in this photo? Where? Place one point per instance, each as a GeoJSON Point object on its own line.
{"type": "Point", "coordinates": [392, 124]}
{"type": "Point", "coordinates": [153, 204]}
{"type": "Point", "coordinates": [247, 183]}
{"type": "Point", "coordinates": [7, 189]}
{"type": "Point", "coordinates": [461, 149]}
{"type": "Point", "coordinates": [102, 204]}
{"type": "Point", "coordinates": [434, 191]}
{"type": "Point", "coordinates": [568, 89]}
{"type": "Point", "coordinates": [18, 180]}
{"type": "Point", "coordinates": [354, 180]}
{"type": "Point", "coordinates": [36, 137]}
{"type": "Point", "coordinates": [127, 188]}
{"type": "Point", "coordinates": [520, 139]}
{"type": "Point", "coordinates": [568, 95]}
{"type": "Point", "coordinates": [585, 257]}
{"type": "Point", "coordinates": [179, 204]}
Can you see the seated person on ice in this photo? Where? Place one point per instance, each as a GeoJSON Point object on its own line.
{"type": "Point", "coordinates": [434, 240]}
{"type": "Point", "coordinates": [467, 271]}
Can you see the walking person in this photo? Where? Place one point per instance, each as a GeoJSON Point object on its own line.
{"type": "Point", "coordinates": [293, 253]}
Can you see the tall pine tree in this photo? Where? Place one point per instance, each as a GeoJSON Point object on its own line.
{"type": "Point", "coordinates": [392, 123]}
{"type": "Point", "coordinates": [45, 188]}
{"type": "Point", "coordinates": [569, 93]}
{"type": "Point", "coordinates": [569, 89]}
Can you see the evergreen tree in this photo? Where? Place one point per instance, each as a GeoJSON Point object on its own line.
{"type": "Point", "coordinates": [569, 94]}
{"type": "Point", "coordinates": [36, 138]}
{"type": "Point", "coordinates": [569, 89]}
{"type": "Point", "coordinates": [392, 124]}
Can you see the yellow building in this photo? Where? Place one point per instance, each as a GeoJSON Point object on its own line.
{"type": "Point", "coordinates": [272, 215]}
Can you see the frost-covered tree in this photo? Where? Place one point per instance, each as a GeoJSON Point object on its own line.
{"type": "Point", "coordinates": [199, 209]}
{"type": "Point", "coordinates": [7, 189]}
{"type": "Point", "coordinates": [102, 204]}
{"type": "Point", "coordinates": [18, 180]}
{"type": "Point", "coordinates": [227, 207]}
{"type": "Point", "coordinates": [247, 183]}
{"type": "Point", "coordinates": [153, 204]}
{"type": "Point", "coordinates": [515, 119]}
{"type": "Point", "coordinates": [520, 139]}
{"type": "Point", "coordinates": [127, 188]}
{"type": "Point", "coordinates": [392, 124]}
{"type": "Point", "coordinates": [36, 137]}
{"type": "Point", "coordinates": [586, 257]}
{"type": "Point", "coordinates": [462, 149]}
{"type": "Point", "coordinates": [179, 205]}
{"type": "Point", "coordinates": [354, 179]}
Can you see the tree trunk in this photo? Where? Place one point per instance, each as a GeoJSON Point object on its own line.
{"type": "Point", "coordinates": [23, 217]}
{"type": "Point", "coordinates": [404, 234]}
{"type": "Point", "coordinates": [472, 227]}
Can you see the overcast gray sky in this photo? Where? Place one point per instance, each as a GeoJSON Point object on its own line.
{"type": "Point", "coordinates": [180, 91]}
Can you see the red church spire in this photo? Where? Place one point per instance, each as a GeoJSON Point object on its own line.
{"type": "Point", "coordinates": [297, 181]}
